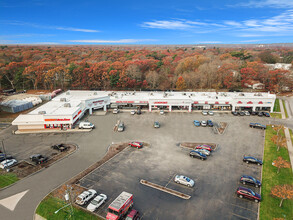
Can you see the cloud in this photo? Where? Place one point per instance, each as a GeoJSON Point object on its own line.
{"type": "Point", "coordinates": [121, 41]}
{"type": "Point", "coordinates": [173, 24]}
{"type": "Point", "coordinates": [251, 41]}
{"type": "Point", "coordinates": [209, 42]}
{"type": "Point", "coordinates": [266, 3]}
{"type": "Point", "coordinates": [20, 23]}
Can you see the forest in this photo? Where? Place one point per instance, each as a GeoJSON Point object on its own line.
{"type": "Point", "coordinates": [143, 68]}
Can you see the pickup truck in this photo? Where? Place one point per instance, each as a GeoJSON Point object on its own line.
{"type": "Point", "coordinates": [257, 125]}
{"type": "Point", "coordinates": [59, 147]}
{"type": "Point", "coordinates": [38, 158]}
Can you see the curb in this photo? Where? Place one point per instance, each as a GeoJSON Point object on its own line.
{"type": "Point", "coordinates": [164, 189]}
{"type": "Point", "coordinates": [42, 168]}
{"type": "Point", "coordinates": [264, 142]}
{"type": "Point", "coordinates": [50, 132]}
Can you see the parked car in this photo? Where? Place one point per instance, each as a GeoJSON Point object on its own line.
{"type": "Point", "coordinates": [210, 112]}
{"type": "Point", "coordinates": [184, 180]}
{"type": "Point", "coordinates": [162, 112]}
{"type": "Point", "coordinates": [253, 113]}
{"type": "Point", "coordinates": [250, 180]}
{"type": "Point", "coordinates": [257, 125]}
{"type": "Point", "coordinates": [133, 215]}
{"type": "Point", "coordinates": [7, 163]}
{"type": "Point", "coordinates": [247, 113]}
{"type": "Point", "coordinates": [248, 193]}
{"type": "Point", "coordinates": [196, 123]}
{"type": "Point", "coordinates": [204, 151]}
{"type": "Point", "coordinates": [5, 157]}
{"type": "Point", "coordinates": [38, 158]}
{"type": "Point", "coordinates": [203, 123]}
{"type": "Point", "coordinates": [204, 146]}
{"type": "Point", "coordinates": [266, 114]}
{"type": "Point", "coordinates": [85, 197]}
{"type": "Point", "coordinates": [197, 154]}
{"type": "Point", "coordinates": [59, 147]}
{"type": "Point", "coordinates": [241, 113]}
{"type": "Point", "coordinates": [86, 125]}
{"type": "Point", "coordinates": [210, 123]}
{"type": "Point", "coordinates": [136, 144]}
{"type": "Point", "coordinates": [120, 127]}
{"type": "Point", "coordinates": [156, 124]}
{"type": "Point", "coordinates": [204, 113]}
{"type": "Point", "coordinates": [260, 114]}
{"type": "Point", "coordinates": [132, 112]}
{"type": "Point", "coordinates": [96, 202]}
{"type": "Point", "coordinates": [138, 111]}
{"type": "Point", "coordinates": [234, 113]}
{"type": "Point", "coordinates": [116, 111]}
{"type": "Point", "coordinates": [249, 159]}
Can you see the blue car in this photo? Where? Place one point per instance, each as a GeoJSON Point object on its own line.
{"type": "Point", "coordinates": [197, 154]}
{"type": "Point", "coordinates": [249, 159]}
{"type": "Point", "coordinates": [245, 179]}
{"type": "Point", "coordinates": [196, 123]}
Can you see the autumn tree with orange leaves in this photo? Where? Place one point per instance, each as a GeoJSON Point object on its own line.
{"type": "Point", "coordinates": [283, 192]}
{"type": "Point", "coordinates": [281, 163]}
{"type": "Point", "coordinates": [180, 84]}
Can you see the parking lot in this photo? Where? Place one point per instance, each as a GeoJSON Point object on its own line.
{"type": "Point", "coordinates": [216, 179]}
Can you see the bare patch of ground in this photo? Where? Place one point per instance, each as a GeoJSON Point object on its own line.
{"type": "Point", "coordinates": [222, 127]}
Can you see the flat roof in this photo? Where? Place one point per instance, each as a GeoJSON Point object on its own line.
{"type": "Point", "coordinates": [28, 119]}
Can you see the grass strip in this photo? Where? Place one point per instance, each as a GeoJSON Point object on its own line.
{"type": "Point", "coordinates": [7, 179]}
{"type": "Point", "coordinates": [286, 113]}
{"type": "Point", "coordinates": [277, 106]}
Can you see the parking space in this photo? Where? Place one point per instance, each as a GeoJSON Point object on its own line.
{"type": "Point", "coordinates": [216, 179]}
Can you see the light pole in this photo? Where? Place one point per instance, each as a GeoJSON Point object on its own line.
{"type": "Point", "coordinates": [68, 199]}
{"type": "Point", "coordinates": [62, 208]}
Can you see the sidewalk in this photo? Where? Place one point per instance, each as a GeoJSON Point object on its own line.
{"type": "Point", "coordinates": [51, 131]}
{"type": "Point", "coordinates": [288, 137]}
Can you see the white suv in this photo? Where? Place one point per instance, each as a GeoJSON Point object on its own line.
{"type": "Point", "coordinates": [85, 197]}
{"type": "Point", "coordinates": [86, 125]}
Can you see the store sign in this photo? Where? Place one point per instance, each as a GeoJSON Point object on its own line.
{"type": "Point", "coordinates": [216, 102]}
{"type": "Point", "coordinates": [124, 101]}
{"type": "Point", "coordinates": [98, 102]}
{"type": "Point", "coordinates": [260, 102]}
{"type": "Point", "coordinates": [58, 119]}
{"type": "Point", "coordinates": [196, 102]}
{"type": "Point", "coordinates": [227, 103]}
{"type": "Point", "coordinates": [146, 102]}
{"type": "Point", "coordinates": [77, 114]}
{"type": "Point", "coordinates": [250, 102]}
{"type": "Point", "coordinates": [239, 102]}
{"type": "Point", "coordinates": [206, 102]}
{"type": "Point", "coordinates": [160, 102]}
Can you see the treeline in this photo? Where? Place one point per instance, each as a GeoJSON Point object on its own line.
{"type": "Point", "coordinates": [90, 67]}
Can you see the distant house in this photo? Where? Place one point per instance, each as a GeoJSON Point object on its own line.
{"type": "Point", "coordinates": [284, 66]}
{"type": "Point", "coordinates": [254, 84]}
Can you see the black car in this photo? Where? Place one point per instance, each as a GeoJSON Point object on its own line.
{"type": "Point", "coordinates": [250, 181]}
{"type": "Point", "coordinates": [257, 125]}
{"type": "Point", "coordinates": [138, 111]}
{"type": "Point", "coordinates": [260, 114]}
{"type": "Point", "coordinates": [248, 194]}
{"type": "Point", "coordinates": [253, 113]}
{"type": "Point", "coordinates": [197, 154]}
{"type": "Point", "coordinates": [38, 158]}
{"type": "Point", "coordinates": [4, 157]}
{"type": "Point", "coordinates": [249, 159]}
{"type": "Point", "coordinates": [59, 147]}
{"type": "Point", "coordinates": [210, 123]}
{"type": "Point", "coordinates": [242, 113]}
{"type": "Point", "coordinates": [266, 114]}
{"type": "Point", "coordinates": [234, 113]}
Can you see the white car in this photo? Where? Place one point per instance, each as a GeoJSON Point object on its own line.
{"type": "Point", "coordinates": [115, 111]}
{"type": "Point", "coordinates": [132, 112]}
{"type": "Point", "coordinates": [85, 197]}
{"type": "Point", "coordinates": [204, 113]}
{"type": "Point", "coordinates": [96, 202]}
{"type": "Point", "coordinates": [247, 113]}
{"type": "Point", "coordinates": [7, 163]}
{"type": "Point", "coordinates": [162, 112]}
{"type": "Point", "coordinates": [203, 123]}
{"type": "Point", "coordinates": [184, 180]}
{"type": "Point", "coordinates": [204, 151]}
{"type": "Point", "coordinates": [210, 112]}
{"type": "Point", "coordinates": [86, 125]}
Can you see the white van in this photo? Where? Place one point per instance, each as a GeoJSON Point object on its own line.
{"type": "Point", "coordinates": [86, 125]}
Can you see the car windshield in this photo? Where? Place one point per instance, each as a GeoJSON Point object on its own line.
{"type": "Point", "coordinates": [254, 180]}
{"type": "Point", "coordinates": [113, 211]}
{"type": "Point", "coordinates": [94, 202]}
{"type": "Point", "coordinates": [188, 180]}
{"type": "Point", "coordinates": [252, 192]}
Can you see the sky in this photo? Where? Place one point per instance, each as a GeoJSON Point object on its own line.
{"type": "Point", "coordinates": [153, 22]}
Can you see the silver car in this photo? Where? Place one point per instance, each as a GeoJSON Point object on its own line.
{"type": "Point", "coordinates": [204, 151]}
{"type": "Point", "coordinates": [184, 180]}
{"type": "Point", "coordinates": [203, 123]}
{"type": "Point", "coordinates": [211, 113]}
{"type": "Point", "coordinates": [120, 126]}
{"type": "Point", "coordinates": [204, 112]}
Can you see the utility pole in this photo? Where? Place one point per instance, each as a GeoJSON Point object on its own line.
{"type": "Point", "coordinates": [69, 200]}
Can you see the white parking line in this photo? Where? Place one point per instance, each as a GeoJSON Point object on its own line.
{"type": "Point", "coordinates": [239, 216]}
{"type": "Point", "coordinates": [170, 180]}
{"type": "Point", "coordinates": [243, 207]}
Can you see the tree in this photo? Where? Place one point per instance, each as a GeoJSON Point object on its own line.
{"type": "Point", "coordinates": [180, 84]}
{"type": "Point", "coordinates": [11, 71]}
{"type": "Point", "coordinates": [280, 141]}
{"type": "Point", "coordinates": [267, 57]}
{"type": "Point", "coordinates": [283, 191]}
{"type": "Point", "coordinates": [152, 77]}
{"type": "Point", "coordinates": [281, 163]}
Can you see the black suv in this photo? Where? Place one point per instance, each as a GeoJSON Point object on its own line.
{"type": "Point", "coordinates": [257, 125]}
{"type": "Point", "coordinates": [5, 157]}
{"type": "Point", "coordinates": [210, 123]}
{"type": "Point", "coordinates": [38, 158]}
{"type": "Point", "coordinates": [250, 180]}
{"type": "Point", "coordinates": [59, 147]}
{"type": "Point", "coordinates": [249, 159]}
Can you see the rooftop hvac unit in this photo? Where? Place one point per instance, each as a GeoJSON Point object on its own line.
{"type": "Point", "coordinates": [67, 104]}
{"type": "Point", "coordinates": [257, 94]}
{"type": "Point", "coordinates": [116, 96]}
{"type": "Point", "coordinates": [62, 99]}
{"type": "Point", "coordinates": [151, 93]}
{"type": "Point", "coordinates": [42, 112]}
{"type": "Point", "coordinates": [184, 93]}
{"type": "Point", "coordinates": [95, 93]}
{"type": "Point", "coordinates": [241, 94]}
{"type": "Point", "coordinates": [67, 93]}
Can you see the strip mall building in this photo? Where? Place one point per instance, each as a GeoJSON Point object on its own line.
{"type": "Point", "coordinates": [63, 111]}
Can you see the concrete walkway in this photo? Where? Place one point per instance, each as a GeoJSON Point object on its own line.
{"type": "Point", "coordinates": [287, 134]}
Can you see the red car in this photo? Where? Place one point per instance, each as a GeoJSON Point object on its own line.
{"type": "Point", "coordinates": [133, 215]}
{"type": "Point", "coordinates": [136, 144]}
{"type": "Point", "coordinates": [248, 193]}
{"type": "Point", "coordinates": [207, 147]}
